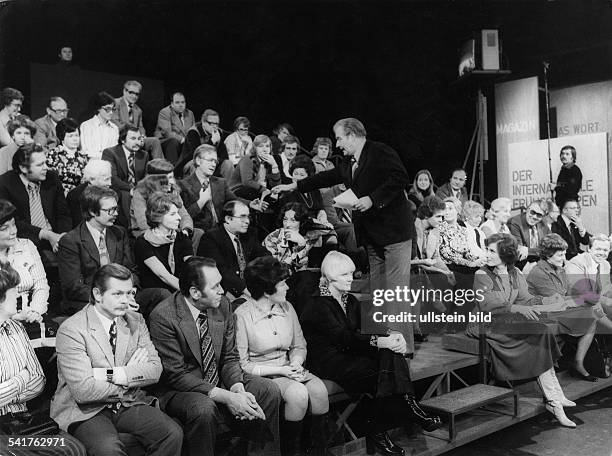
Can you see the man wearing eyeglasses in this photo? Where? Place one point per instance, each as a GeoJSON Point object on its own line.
{"type": "Point", "coordinates": [56, 111]}
{"type": "Point", "coordinates": [455, 186]}
{"type": "Point", "coordinates": [11, 101]}
{"type": "Point", "coordinates": [570, 227]}
{"type": "Point", "coordinates": [529, 229]}
{"type": "Point", "coordinates": [207, 131]}
{"type": "Point", "coordinates": [128, 112]}
{"type": "Point", "coordinates": [232, 247]}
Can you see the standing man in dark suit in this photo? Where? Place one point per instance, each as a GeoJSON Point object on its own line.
{"type": "Point", "coordinates": [93, 243]}
{"type": "Point", "coordinates": [42, 213]}
{"type": "Point", "coordinates": [204, 195]}
{"type": "Point", "coordinates": [383, 221]}
{"type": "Point", "coordinates": [528, 229]}
{"type": "Point", "coordinates": [173, 122]}
{"type": "Point", "coordinates": [202, 381]}
{"type": "Point", "coordinates": [230, 246]}
{"type": "Point", "coordinates": [570, 227]}
{"type": "Point", "coordinates": [45, 133]}
{"type": "Point", "coordinates": [128, 112]}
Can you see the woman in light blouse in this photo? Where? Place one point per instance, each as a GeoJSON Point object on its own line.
{"type": "Point", "coordinates": [33, 289]}
{"type": "Point", "coordinates": [271, 344]}
{"type": "Point", "coordinates": [239, 143]}
{"type": "Point", "coordinates": [21, 375]}
{"type": "Point", "coordinates": [67, 159]}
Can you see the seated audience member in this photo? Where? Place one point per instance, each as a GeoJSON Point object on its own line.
{"type": "Point", "coordinates": [455, 187]}
{"type": "Point", "coordinates": [127, 112]}
{"type": "Point", "coordinates": [21, 254]}
{"type": "Point", "coordinates": [67, 159]}
{"type": "Point", "coordinates": [99, 133]}
{"type": "Point", "coordinates": [569, 180]}
{"type": "Point", "coordinates": [301, 168]}
{"type": "Point", "coordinates": [173, 123]}
{"type": "Point", "coordinates": [202, 382]}
{"type": "Point", "coordinates": [500, 213]}
{"type": "Point", "coordinates": [93, 243]}
{"type": "Point", "coordinates": [289, 149]}
{"type": "Point", "coordinates": [231, 248]}
{"type": "Point", "coordinates": [321, 151]}
{"type": "Point", "coordinates": [22, 376]}
{"type": "Point", "coordinates": [160, 178]}
{"type": "Point", "coordinates": [56, 111]}
{"type": "Point", "coordinates": [528, 229]}
{"type": "Point", "coordinates": [104, 358]}
{"type": "Point", "coordinates": [289, 243]}
{"type": "Point", "coordinates": [206, 131]}
{"type": "Point", "coordinates": [256, 172]}
{"type": "Point", "coordinates": [239, 143]}
{"type": "Point", "coordinates": [11, 101]}
{"type": "Point", "coordinates": [42, 213]}
{"type": "Point", "coordinates": [162, 249]}
{"type": "Point", "coordinates": [204, 195]}
{"type": "Point", "coordinates": [21, 130]}
{"type": "Point", "coordinates": [551, 213]}
{"type": "Point", "coordinates": [96, 172]}
{"type": "Point", "coordinates": [271, 344]}
{"type": "Point", "coordinates": [570, 227]}
{"type": "Point", "coordinates": [530, 349]}
{"type": "Point", "coordinates": [472, 214]}
{"type": "Point", "coordinates": [127, 159]}
{"type": "Point", "coordinates": [360, 363]}
{"type": "Point", "coordinates": [548, 278]}
{"type": "Point", "coordinates": [279, 133]}
{"type": "Point", "coordinates": [422, 187]}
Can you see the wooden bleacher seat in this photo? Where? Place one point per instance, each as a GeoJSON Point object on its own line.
{"type": "Point", "coordinates": [337, 395]}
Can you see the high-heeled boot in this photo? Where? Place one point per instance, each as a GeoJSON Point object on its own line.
{"type": "Point", "coordinates": [291, 438]}
{"type": "Point", "coordinates": [553, 404]}
{"type": "Point", "coordinates": [565, 402]}
{"type": "Point", "coordinates": [382, 443]}
{"type": "Point", "coordinates": [427, 422]}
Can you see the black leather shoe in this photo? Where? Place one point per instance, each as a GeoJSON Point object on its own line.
{"type": "Point", "coordinates": [429, 423]}
{"type": "Point", "coordinates": [382, 443]}
{"type": "Point", "coordinates": [587, 378]}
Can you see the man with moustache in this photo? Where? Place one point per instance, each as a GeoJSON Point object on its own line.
{"type": "Point", "coordinates": [289, 149]}
{"type": "Point", "coordinates": [382, 218]}
{"type": "Point", "coordinates": [202, 383]}
{"type": "Point", "coordinates": [569, 180]}
{"type": "Point", "coordinates": [104, 358]}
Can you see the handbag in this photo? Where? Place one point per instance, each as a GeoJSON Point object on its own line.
{"type": "Point", "coordinates": [29, 423]}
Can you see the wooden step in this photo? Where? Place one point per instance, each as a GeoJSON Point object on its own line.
{"type": "Point", "coordinates": [461, 343]}
{"type": "Point", "coordinates": [466, 399]}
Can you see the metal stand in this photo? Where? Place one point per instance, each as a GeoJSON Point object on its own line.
{"type": "Point", "coordinates": [480, 144]}
{"type": "Point", "coordinates": [546, 96]}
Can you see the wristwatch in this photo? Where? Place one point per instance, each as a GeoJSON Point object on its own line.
{"type": "Point", "coordinates": [109, 375]}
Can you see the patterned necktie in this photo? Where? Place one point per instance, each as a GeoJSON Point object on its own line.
{"type": "Point", "coordinates": [130, 114]}
{"type": "Point", "coordinates": [241, 258]}
{"type": "Point", "coordinates": [112, 336]}
{"type": "Point", "coordinates": [533, 237]}
{"type": "Point", "coordinates": [598, 280]}
{"type": "Point", "coordinates": [478, 239]}
{"type": "Point", "coordinates": [131, 172]}
{"type": "Point", "coordinates": [209, 204]}
{"type": "Point", "coordinates": [37, 214]}
{"type": "Point", "coordinates": [209, 364]}
{"type": "Point", "coordinates": [353, 166]}
{"type": "Point", "coordinates": [104, 256]}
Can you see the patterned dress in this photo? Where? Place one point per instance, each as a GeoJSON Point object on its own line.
{"type": "Point", "coordinates": [68, 165]}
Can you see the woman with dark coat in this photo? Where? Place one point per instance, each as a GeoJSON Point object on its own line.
{"type": "Point", "coordinates": [359, 363]}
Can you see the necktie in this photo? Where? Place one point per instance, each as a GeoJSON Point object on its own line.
{"type": "Point", "coordinates": [209, 204]}
{"type": "Point", "coordinates": [209, 365]}
{"type": "Point", "coordinates": [112, 336]}
{"type": "Point", "coordinates": [241, 259]}
{"type": "Point", "coordinates": [345, 215]}
{"type": "Point", "coordinates": [131, 172]}
{"type": "Point", "coordinates": [104, 256]}
{"type": "Point", "coordinates": [598, 280]}
{"type": "Point", "coordinates": [353, 166]}
{"type": "Point", "coordinates": [180, 116]}
{"type": "Point", "coordinates": [533, 237]}
{"type": "Point", "coordinates": [130, 114]}
{"type": "Point", "coordinates": [37, 214]}
{"type": "Point", "coordinates": [478, 240]}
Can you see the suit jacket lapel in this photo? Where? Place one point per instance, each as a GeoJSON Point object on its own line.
{"type": "Point", "coordinates": [216, 328]}
{"type": "Point", "coordinates": [140, 163]}
{"type": "Point", "coordinates": [97, 331]}
{"type": "Point", "coordinates": [229, 246]}
{"type": "Point", "coordinates": [189, 329]}
{"type": "Point", "coordinates": [525, 230]}
{"type": "Point", "coordinates": [89, 244]}
{"type": "Point", "coordinates": [123, 340]}
{"type": "Point", "coordinates": [363, 158]}
{"type": "Point", "coordinates": [112, 247]}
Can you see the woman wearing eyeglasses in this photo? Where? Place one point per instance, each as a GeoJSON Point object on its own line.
{"type": "Point", "coordinates": [67, 159]}
{"type": "Point", "coordinates": [99, 133]}
{"type": "Point", "coordinates": [239, 143]}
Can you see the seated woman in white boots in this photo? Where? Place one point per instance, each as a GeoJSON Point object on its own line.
{"type": "Point", "coordinates": [521, 346]}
